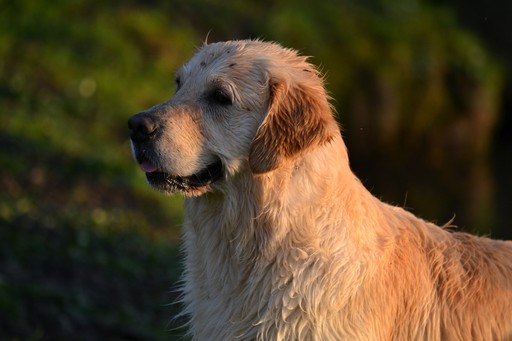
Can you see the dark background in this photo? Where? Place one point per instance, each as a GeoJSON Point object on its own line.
{"type": "Point", "coordinates": [89, 252]}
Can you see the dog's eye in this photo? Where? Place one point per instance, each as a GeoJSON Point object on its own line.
{"type": "Point", "coordinates": [178, 83]}
{"type": "Point", "coordinates": [222, 97]}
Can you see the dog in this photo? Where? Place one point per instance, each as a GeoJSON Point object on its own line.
{"type": "Point", "coordinates": [281, 240]}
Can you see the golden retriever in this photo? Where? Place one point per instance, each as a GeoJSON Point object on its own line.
{"type": "Point", "coordinates": [281, 240]}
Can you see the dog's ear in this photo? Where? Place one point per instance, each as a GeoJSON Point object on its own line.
{"type": "Point", "coordinates": [299, 118]}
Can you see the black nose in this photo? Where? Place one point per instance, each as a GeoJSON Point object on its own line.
{"type": "Point", "coordinates": [142, 127]}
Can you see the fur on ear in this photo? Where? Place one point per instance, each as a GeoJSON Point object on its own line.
{"type": "Point", "coordinates": [299, 118]}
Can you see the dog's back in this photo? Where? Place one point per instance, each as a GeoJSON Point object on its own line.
{"type": "Point", "coordinates": [447, 285]}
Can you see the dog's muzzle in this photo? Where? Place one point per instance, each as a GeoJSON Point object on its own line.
{"type": "Point", "coordinates": [143, 131]}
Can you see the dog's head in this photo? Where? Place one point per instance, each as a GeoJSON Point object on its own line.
{"type": "Point", "coordinates": [239, 105]}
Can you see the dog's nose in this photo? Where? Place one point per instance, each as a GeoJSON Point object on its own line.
{"type": "Point", "coordinates": [142, 127]}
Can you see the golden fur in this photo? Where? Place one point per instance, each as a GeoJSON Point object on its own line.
{"type": "Point", "coordinates": [288, 244]}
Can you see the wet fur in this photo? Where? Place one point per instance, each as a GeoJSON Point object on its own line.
{"type": "Point", "coordinates": [291, 246]}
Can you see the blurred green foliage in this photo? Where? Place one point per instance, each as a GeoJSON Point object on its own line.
{"type": "Point", "coordinates": [87, 251]}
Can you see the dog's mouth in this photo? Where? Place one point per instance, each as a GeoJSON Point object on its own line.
{"type": "Point", "coordinates": [195, 184]}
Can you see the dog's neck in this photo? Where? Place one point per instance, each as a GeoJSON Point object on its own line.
{"type": "Point", "coordinates": [259, 214]}
{"type": "Point", "coordinates": [264, 230]}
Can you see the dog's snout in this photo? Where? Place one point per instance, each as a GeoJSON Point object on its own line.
{"type": "Point", "coordinates": [142, 127]}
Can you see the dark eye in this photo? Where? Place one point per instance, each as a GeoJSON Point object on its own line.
{"type": "Point", "coordinates": [178, 83]}
{"type": "Point", "coordinates": [222, 97]}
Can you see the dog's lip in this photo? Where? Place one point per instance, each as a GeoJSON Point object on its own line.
{"type": "Point", "coordinates": [173, 183]}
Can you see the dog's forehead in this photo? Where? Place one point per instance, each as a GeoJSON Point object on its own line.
{"type": "Point", "coordinates": [238, 63]}
{"type": "Point", "coordinates": [245, 56]}
{"type": "Point", "coordinates": [211, 57]}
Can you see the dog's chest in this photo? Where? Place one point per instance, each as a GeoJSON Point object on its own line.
{"type": "Point", "coordinates": [227, 295]}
